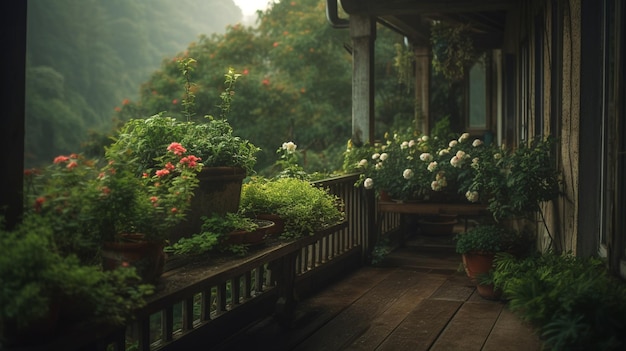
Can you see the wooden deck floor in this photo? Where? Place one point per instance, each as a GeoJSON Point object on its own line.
{"type": "Point", "coordinates": [417, 301]}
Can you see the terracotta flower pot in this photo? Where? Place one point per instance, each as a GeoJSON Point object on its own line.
{"type": "Point", "coordinates": [250, 237]}
{"type": "Point", "coordinates": [147, 257]}
{"type": "Point", "coordinates": [477, 263]}
{"type": "Point", "coordinates": [279, 223]}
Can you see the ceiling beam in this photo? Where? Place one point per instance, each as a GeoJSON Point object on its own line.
{"type": "Point", "coordinates": [406, 7]}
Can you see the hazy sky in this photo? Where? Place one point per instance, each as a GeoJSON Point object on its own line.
{"type": "Point", "coordinates": [249, 7]}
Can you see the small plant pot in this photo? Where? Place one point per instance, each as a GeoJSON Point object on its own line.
{"type": "Point", "coordinates": [477, 263]}
{"type": "Point", "coordinates": [488, 292]}
{"type": "Point", "coordinates": [279, 223]}
{"type": "Point", "coordinates": [255, 237]}
{"type": "Point", "coordinates": [146, 256]}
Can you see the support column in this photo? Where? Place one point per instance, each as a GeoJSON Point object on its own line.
{"type": "Point", "coordinates": [422, 89]}
{"type": "Point", "coordinates": [363, 34]}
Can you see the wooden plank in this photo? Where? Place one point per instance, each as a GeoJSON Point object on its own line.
{"type": "Point", "coordinates": [469, 328]}
{"type": "Point", "coordinates": [457, 287]}
{"type": "Point", "coordinates": [310, 314]}
{"type": "Point", "coordinates": [511, 334]}
{"type": "Point", "coordinates": [384, 324]}
{"type": "Point", "coordinates": [357, 319]}
{"type": "Point", "coordinates": [421, 327]}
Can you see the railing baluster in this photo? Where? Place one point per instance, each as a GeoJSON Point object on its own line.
{"type": "Point", "coordinates": [167, 323]}
{"type": "Point", "coordinates": [205, 305]}
{"type": "Point", "coordinates": [188, 316]}
{"type": "Point", "coordinates": [235, 290]}
{"type": "Point", "coordinates": [220, 305]}
{"type": "Point", "coordinates": [247, 283]}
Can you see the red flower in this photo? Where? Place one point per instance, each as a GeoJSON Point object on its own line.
{"type": "Point", "coordinates": [175, 101]}
{"type": "Point", "coordinates": [61, 159]}
{"type": "Point", "coordinates": [39, 203]}
{"type": "Point", "coordinates": [176, 148]}
{"type": "Point", "coordinates": [117, 109]}
{"type": "Point", "coordinates": [162, 173]}
{"type": "Point", "coordinates": [72, 164]}
{"type": "Point", "coordinates": [169, 166]}
{"type": "Point", "coordinates": [245, 72]}
{"type": "Point", "coordinates": [106, 190]}
{"type": "Point", "coordinates": [266, 82]}
{"type": "Point", "coordinates": [125, 102]}
{"type": "Point", "coordinates": [174, 210]}
{"type": "Point", "coordinates": [275, 44]}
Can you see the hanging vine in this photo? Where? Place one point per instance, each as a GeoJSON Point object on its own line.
{"type": "Point", "coordinates": [453, 49]}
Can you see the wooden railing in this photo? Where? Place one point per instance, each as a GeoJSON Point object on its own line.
{"type": "Point", "coordinates": [202, 302]}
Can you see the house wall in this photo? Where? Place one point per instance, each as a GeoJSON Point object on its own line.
{"type": "Point", "coordinates": [568, 205]}
{"type": "Point", "coordinates": [538, 117]}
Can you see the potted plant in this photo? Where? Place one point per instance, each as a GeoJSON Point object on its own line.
{"type": "Point", "coordinates": [223, 232]}
{"type": "Point", "coordinates": [45, 290]}
{"type": "Point", "coordinates": [478, 247]}
{"type": "Point", "coordinates": [227, 158]}
{"type": "Point", "coordinates": [303, 207]}
{"type": "Point", "coordinates": [515, 183]}
{"type": "Point", "coordinates": [112, 212]}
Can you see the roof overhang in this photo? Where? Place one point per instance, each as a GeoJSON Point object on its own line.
{"type": "Point", "coordinates": [412, 18]}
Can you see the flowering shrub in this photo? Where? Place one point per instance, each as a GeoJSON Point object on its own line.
{"type": "Point", "coordinates": [513, 183]}
{"type": "Point", "coordinates": [151, 204]}
{"type": "Point", "coordinates": [418, 167]}
{"type": "Point", "coordinates": [409, 166]}
{"type": "Point", "coordinates": [88, 202]}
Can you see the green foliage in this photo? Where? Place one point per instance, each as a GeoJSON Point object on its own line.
{"type": "Point", "coordinates": [213, 231]}
{"type": "Point", "coordinates": [514, 183]}
{"type": "Point", "coordinates": [35, 278]}
{"type": "Point", "coordinates": [573, 301]}
{"type": "Point", "coordinates": [86, 59]}
{"type": "Point", "coordinates": [453, 49]}
{"type": "Point", "coordinates": [409, 165]}
{"type": "Point", "coordinates": [210, 139]}
{"type": "Point", "coordinates": [486, 238]}
{"type": "Point", "coordinates": [304, 207]}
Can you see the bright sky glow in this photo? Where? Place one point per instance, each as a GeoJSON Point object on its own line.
{"type": "Point", "coordinates": [249, 7]}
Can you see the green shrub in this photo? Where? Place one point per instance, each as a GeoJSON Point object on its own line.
{"type": "Point", "coordinates": [485, 238]}
{"type": "Point", "coordinates": [304, 207]}
{"type": "Point", "coordinates": [573, 301]}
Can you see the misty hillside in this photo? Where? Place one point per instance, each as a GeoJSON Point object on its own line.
{"type": "Point", "coordinates": [85, 57]}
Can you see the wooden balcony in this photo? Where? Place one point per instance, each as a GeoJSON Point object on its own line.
{"type": "Point", "coordinates": [319, 288]}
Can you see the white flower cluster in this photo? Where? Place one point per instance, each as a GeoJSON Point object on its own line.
{"type": "Point", "coordinates": [290, 147]}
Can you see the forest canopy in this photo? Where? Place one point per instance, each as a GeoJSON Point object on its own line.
{"type": "Point", "coordinates": [94, 64]}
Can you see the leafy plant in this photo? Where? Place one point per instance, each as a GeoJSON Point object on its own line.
{"type": "Point", "coordinates": [415, 167]}
{"type": "Point", "coordinates": [211, 139]}
{"type": "Point", "coordinates": [514, 183]}
{"type": "Point", "coordinates": [213, 232]}
{"type": "Point", "coordinates": [88, 204]}
{"type": "Point", "coordinates": [485, 238]}
{"type": "Point", "coordinates": [304, 207]}
{"type": "Point", "coordinates": [36, 279]}
{"type": "Point", "coordinates": [573, 301]}
{"type": "Point", "coordinates": [453, 49]}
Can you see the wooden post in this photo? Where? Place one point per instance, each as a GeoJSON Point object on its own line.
{"type": "Point", "coordinates": [363, 34]}
{"type": "Point", "coordinates": [422, 88]}
{"type": "Point", "coordinates": [13, 97]}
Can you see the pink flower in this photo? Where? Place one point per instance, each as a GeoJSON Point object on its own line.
{"type": "Point", "coordinates": [72, 164]}
{"type": "Point", "coordinates": [154, 199]}
{"type": "Point", "coordinates": [61, 159]}
{"type": "Point", "coordinates": [169, 166]}
{"type": "Point", "coordinates": [162, 173]}
{"type": "Point", "coordinates": [176, 148]}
